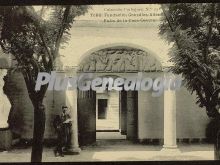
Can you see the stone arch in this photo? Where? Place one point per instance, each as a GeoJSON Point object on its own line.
{"type": "Point", "coordinates": [119, 57]}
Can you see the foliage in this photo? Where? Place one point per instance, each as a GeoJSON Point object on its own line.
{"type": "Point", "coordinates": [35, 41]}
{"type": "Point", "coordinates": [194, 30]}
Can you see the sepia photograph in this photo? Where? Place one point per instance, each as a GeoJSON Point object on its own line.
{"type": "Point", "coordinates": [110, 82]}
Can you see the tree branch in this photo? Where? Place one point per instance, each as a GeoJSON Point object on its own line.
{"type": "Point", "coordinates": [209, 35]}
{"type": "Point", "coordinates": [170, 24]}
{"type": "Point", "coordinates": [51, 59]}
{"type": "Point", "coordinates": [203, 100]}
{"type": "Point", "coordinates": [61, 31]}
{"type": "Point", "coordinates": [37, 20]}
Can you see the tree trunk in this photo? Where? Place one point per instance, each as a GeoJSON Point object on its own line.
{"type": "Point", "coordinates": [217, 146]}
{"type": "Point", "coordinates": [38, 133]}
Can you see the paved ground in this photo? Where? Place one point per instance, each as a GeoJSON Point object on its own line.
{"type": "Point", "coordinates": [117, 150]}
{"type": "Point", "coordinates": [109, 135]}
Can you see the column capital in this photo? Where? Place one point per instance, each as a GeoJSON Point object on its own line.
{"type": "Point", "coordinates": [172, 82]}
{"type": "Point", "coordinates": [170, 74]}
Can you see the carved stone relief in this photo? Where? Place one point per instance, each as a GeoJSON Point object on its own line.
{"type": "Point", "coordinates": [120, 60]}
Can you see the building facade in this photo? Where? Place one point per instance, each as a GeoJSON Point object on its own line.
{"type": "Point", "coordinates": [107, 44]}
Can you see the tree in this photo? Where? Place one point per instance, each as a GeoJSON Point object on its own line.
{"type": "Point", "coordinates": [194, 30]}
{"type": "Point", "coordinates": [35, 42]}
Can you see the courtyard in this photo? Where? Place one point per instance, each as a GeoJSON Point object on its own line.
{"type": "Point", "coordinates": [117, 150]}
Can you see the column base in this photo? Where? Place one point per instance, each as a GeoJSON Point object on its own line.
{"type": "Point", "coordinates": [170, 150]}
{"type": "Point", "coordinates": [170, 146]}
{"type": "Point", "coordinates": [72, 151]}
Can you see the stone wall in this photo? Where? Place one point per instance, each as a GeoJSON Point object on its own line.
{"type": "Point", "coordinates": [191, 119]}
{"type": "Point", "coordinates": [21, 116]}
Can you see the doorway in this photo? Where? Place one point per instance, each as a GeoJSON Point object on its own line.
{"type": "Point", "coordinates": [107, 115]}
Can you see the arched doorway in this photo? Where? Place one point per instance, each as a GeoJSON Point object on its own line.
{"type": "Point", "coordinates": [115, 61]}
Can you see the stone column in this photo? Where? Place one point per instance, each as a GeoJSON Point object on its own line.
{"type": "Point", "coordinates": [71, 102]}
{"type": "Point", "coordinates": [170, 117]}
